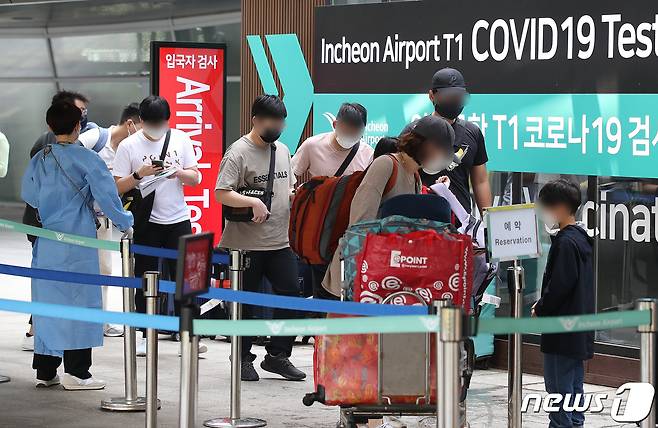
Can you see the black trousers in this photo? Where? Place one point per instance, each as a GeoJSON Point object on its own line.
{"type": "Point", "coordinates": [317, 275]}
{"type": "Point", "coordinates": [76, 363]}
{"type": "Point", "coordinates": [280, 269]}
{"type": "Point", "coordinates": [159, 236]}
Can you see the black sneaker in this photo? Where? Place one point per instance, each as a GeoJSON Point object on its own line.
{"type": "Point", "coordinates": [281, 365]}
{"type": "Point", "coordinates": [248, 373]}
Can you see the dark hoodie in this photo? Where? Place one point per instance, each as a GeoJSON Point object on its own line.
{"type": "Point", "coordinates": [568, 289]}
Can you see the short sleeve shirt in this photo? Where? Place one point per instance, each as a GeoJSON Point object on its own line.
{"type": "Point", "coordinates": [317, 156]}
{"type": "Point", "coordinates": [169, 206]}
{"type": "Point", "coordinates": [246, 164]}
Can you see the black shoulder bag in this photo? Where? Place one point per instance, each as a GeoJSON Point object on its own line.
{"type": "Point", "coordinates": [348, 160]}
{"type": "Point", "coordinates": [133, 201]}
{"type": "Point", "coordinates": [244, 214]}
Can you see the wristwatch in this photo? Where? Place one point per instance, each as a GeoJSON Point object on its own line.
{"type": "Point", "coordinates": [136, 176]}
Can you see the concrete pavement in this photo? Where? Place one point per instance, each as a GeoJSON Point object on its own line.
{"type": "Point", "coordinates": [277, 401]}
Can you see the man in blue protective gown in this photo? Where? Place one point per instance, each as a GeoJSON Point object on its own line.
{"type": "Point", "coordinates": [62, 182]}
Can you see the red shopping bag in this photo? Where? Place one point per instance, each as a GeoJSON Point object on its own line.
{"type": "Point", "coordinates": [431, 264]}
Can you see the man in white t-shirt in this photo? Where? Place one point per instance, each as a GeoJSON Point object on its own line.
{"type": "Point", "coordinates": [109, 139]}
{"type": "Point", "coordinates": [170, 217]}
{"type": "Point", "coordinates": [335, 153]}
{"type": "Point", "coordinates": [325, 154]}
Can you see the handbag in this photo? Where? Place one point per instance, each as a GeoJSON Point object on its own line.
{"type": "Point", "coordinates": [434, 265]}
{"type": "Point", "coordinates": [139, 206]}
{"type": "Point", "coordinates": [245, 214]}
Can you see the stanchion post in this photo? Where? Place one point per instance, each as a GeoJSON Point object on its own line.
{"type": "Point", "coordinates": [131, 402]}
{"type": "Point", "coordinates": [515, 283]}
{"type": "Point", "coordinates": [236, 270]}
{"type": "Point", "coordinates": [448, 373]}
{"type": "Point", "coordinates": [151, 281]}
{"type": "Point", "coordinates": [647, 352]}
{"type": "Point", "coordinates": [187, 372]}
{"type": "Point", "coordinates": [438, 305]}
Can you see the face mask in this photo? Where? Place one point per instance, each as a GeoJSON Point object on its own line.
{"type": "Point", "coordinates": [449, 110]}
{"type": "Point", "coordinates": [436, 165]}
{"type": "Point", "coordinates": [155, 133]}
{"type": "Point", "coordinates": [346, 142]}
{"type": "Point", "coordinates": [270, 135]}
{"type": "Point", "coordinates": [134, 128]}
{"type": "Point", "coordinates": [84, 120]}
{"type": "Point", "coordinates": [550, 224]}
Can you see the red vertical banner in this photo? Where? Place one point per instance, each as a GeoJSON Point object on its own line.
{"type": "Point", "coordinates": [192, 78]}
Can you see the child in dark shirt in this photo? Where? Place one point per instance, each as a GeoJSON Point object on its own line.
{"type": "Point", "coordinates": [567, 289]}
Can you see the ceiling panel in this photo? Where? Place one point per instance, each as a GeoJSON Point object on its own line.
{"type": "Point", "coordinates": [56, 13]}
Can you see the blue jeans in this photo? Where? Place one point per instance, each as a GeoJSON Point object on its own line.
{"type": "Point", "coordinates": [564, 375]}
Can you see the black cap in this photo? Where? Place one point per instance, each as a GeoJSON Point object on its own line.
{"type": "Point", "coordinates": [448, 78]}
{"type": "Point", "coordinates": [436, 129]}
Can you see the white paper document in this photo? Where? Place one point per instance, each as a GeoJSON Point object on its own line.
{"type": "Point", "coordinates": [148, 186]}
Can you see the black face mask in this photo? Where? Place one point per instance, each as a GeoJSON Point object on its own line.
{"type": "Point", "coordinates": [84, 120]}
{"type": "Point", "coordinates": [270, 135]}
{"type": "Point", "coordinates": [449, 110]}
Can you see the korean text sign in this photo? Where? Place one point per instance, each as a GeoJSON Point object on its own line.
{"type": "Point", "coordinates": [192, 78]}
{"type": "Point", "coordinates": [193, 268]}
{"type": "Point", "coordinates": [557, 87]}
{"type": "Point", "coordinates": [512, 232]}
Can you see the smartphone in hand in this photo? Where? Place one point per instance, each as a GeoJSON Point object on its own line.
{"type": "Point", "coordinates": [158, 163]}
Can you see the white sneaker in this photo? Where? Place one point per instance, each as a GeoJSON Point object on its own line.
{"type": "Point", "coordinates": [141, 347]}
{"type": "Point", "coordinates": [28, 343]}
{"type": "Point", "coordinates": [72, 383]}
{"type": "Point", "coordinates": [47, 383]}
{"type": "Point", "coordinates": [113, 330]}
{"type": "Point", "coordinates": [202, 349]}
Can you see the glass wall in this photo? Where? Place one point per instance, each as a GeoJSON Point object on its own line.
{"type": "Point", "coordinates": [621, 215]}
{"type": "Point", "coordinates": [111, 69]}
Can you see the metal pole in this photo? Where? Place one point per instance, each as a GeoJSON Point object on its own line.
{"type": "Point", "coordinates": [515, 283]}
{"type": "Point", "coordinates": [131, 402]}
{"type": "Point", "coordinates": [236, 270]}
{"type": "Point", "coordinates": [440, 392]}
{"type": "Point", "coordinates": [450, 337]}
{"type": "Point", "coordinates": [151, 280]}
{"type": "Point", "coordinates": [189, 370]}
{"type": "Point", "coordinates": [647, 352]}
{"type": "Point", "coordinates": [186, 419]}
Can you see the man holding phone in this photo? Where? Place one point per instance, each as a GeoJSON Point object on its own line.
{"type": "Point", "coordinates": [144, 154]}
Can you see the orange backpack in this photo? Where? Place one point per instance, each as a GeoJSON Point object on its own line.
{"type": "Point", "coordinates": [320, 214]}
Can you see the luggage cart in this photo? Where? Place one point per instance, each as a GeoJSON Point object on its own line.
{"type": "Point", "coordinates": [405, 384]}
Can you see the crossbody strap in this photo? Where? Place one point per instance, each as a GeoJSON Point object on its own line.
{"type": "Point", "coordinates": [49, 150]}
{"type": "Point", "coordinates": [341, 169]}
{"type": "Point", "coordinates": [418, 186]}
{"type": "Point", "coordinates": [165, 146]}
{"type": "Point", "coordinates": [102, 141]}
{"type": "Point", "coordinates": [270, 177]}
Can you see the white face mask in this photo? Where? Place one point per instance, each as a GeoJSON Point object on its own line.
{"type": "Point", "coordinates": [550, 224]}
{"type": "Point", "coordinates": [155, 133]}
{"type": "Point", "coordinates": [436, 165]}
{"type": "Point", "coordinates": [347, 142]}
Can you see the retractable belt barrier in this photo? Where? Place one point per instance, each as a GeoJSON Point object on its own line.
{"type": "Point", "coordinates": [332, 326]}
{"type": "Point", "coordinates": [99, 244]}
{"type": "Point", "coordinates": [243, 297]}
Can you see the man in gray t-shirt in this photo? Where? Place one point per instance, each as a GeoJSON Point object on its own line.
{"type": "Point", "coordinates": [264, 238]}
{"type": "Point", "coordinates": [246, 164]}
